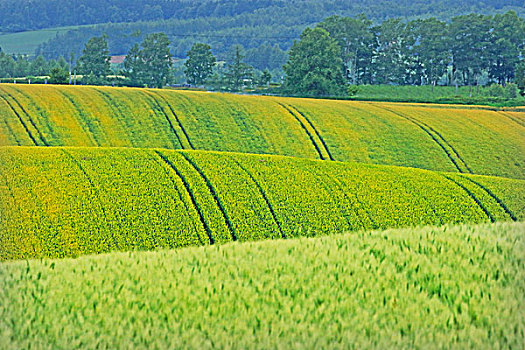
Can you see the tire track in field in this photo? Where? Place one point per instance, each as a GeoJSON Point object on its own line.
{"type": "Point", "coordinates": [156, 106]}
{"type": "Point", "coordinates": [31, 121]}
{"type": "Point", "coordinates": [162, 164]}
{"type": "Point", "coordinates": [491, 194]}
{"type": "Point", "coordinates": [312, 140]}
{"type": "Point", "coordinates": [514, 119]}
{"type": "Point", "coordinates": [317, 133]}
{"type": "Point", "coordinates": [21, 121]}
{"type": "Point", "coordinates": [436, 140]}
{"type": "Point", "coordinates": [11, 131]}
{"type": "Point", "coordinates": [80, 114]}
{"type": "Point", "coordinates": [263, 194]}
{"type": "Point", "coordinates": [190, 193]}
{"type": "Point", "coordinates": [342, 189]}
{"type": "Point", "coordinates": [45, 121]}
{"type": "Point", "coordinates": [214, 194]}
{"type": "Point", "coordinates": [94, 189]}
{"type": "Point", "coordinates": [119, 113]}
{"type": "Point", "coordinates": [445, 141]}
{"type": "Point", "coordinates": [176, 118]}
{"type": "Point", "coordinates": [472, 196]}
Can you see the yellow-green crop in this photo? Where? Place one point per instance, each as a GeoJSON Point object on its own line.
{"type": "Point", "coordinates": [423, 288]}
{"type": "Point", "coordinates": [442, 138]}
{"type": "Point", "coordinates": [63, 202]}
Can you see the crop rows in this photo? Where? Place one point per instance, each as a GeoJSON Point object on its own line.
{"type": "Point", "coordinates": [59, 202]}
{"type": "Point", "coordinates": [441, 138]}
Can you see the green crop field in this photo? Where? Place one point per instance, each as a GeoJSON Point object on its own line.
{"type": "Point", "coordinates": [476, 140]}
{"type": "Point", "coordinates": [63, 202]}
{"type": "Point", "coordinates": [423, 288]}
{"type": "Point", "coordinates": [145, 218]}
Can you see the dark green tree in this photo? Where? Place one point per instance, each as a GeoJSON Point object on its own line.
{"type": "Point", "coordinates": [199, 65]}
{"type": "Point", "coordinates": [95, 58]}
{"type": "Point", "coordinates": [315, 67]}
{"type": "Point", "coordinates": [469, 46]}
{"type": "Point", "coordinates": [390, 59]}
{"type": "Point", "coordinates": [520, 77]}
{"type": "Point", "coordinates": [356, 40]}
{"type": "Point", "coordinates": [507, 38]}
{"type": "Point", "coordinates": [155, 60]}
{"type": "Point", "coordinates": [428, 43]}
{"type": "Point", "coordinates": [58, 76]}
{"type": "Point", "coordinates": [151, 64]}
{"type": "Point", "coordinates": [39, 66]}
{"type": "Point", "coordinates": [133, 69]}
{"type": "Point", "coordinates": [238, 74]}
{"type": "Point", "coordinates": [265, 78]}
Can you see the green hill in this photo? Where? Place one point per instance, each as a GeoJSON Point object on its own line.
{"type": "Point", "coordinates": [64, 202]}
{"type": "Point", "coordinates": [475, 140]}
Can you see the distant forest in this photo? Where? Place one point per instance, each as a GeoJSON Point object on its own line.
{"type": "Point", "coordinates": [266, 27]}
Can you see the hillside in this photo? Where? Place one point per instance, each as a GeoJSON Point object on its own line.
{"type": "Point", "coordinates": [19, 16]}
{"type": "Point", "coordinates": [443, 138]}
{"type": "Point", "coordinates": [63, 202]}
{"type": "Point", "coordinates": [424, 288]}
{"type": "Point", "coordinates": [219, 23]}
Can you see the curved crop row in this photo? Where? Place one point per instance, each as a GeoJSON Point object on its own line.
{"type": "Point", "coordinates": [58, 202]}
{"type": "Point", "coordinates": [441, 138]}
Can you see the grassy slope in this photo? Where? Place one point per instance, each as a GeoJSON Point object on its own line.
{"type": "Point", "coordinates": [60, 202]}
{"type": "Point", "coordinates": [432, 137]}
{"type": "Point", "coordinates": [448, 287]}
{"type": "Point", "coordinates": [26, 43]}
{"type": "Point", "coordinates": [438, 94]}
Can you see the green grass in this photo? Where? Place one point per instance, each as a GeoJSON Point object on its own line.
{"type": "Point", "coordinates": [65, 202]}
{"type": "Point", "coordinates": [479, 140]}
{"type": "Point", "coordinates": [439, 94]}
{"type": "Point", "coordinates": [26, 43]}
{"type": "Point", "coordinates": [426, 288]}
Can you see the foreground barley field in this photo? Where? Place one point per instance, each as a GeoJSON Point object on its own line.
{"type": "Point", "coordinates": [428, 288]}
{"type": "Point", "coordinates": [65, 202]}
{"type": "Point", "coordinates": [477, 140]}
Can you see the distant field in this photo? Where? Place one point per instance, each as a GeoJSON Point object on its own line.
{"type": "Point", "coordinates": [422, 288]}
{"type": "Point", "coordinates": [63, 202]}
{"type": "Point", "coordinates": [27, 42]}
{"type": "Point", "coordinates": [439, 94]}
{"type": "Point", "coordinates": [475, 140]}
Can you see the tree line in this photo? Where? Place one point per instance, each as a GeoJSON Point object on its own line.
{"type": "Point", "coordinates": [469, 50]}
{"type": "Point", "coordinates": [338, 53]}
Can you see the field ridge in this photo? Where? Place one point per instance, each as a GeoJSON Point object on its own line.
{"type": "Point", "coordinates": [478, 141]}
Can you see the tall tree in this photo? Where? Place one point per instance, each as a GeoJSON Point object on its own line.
{"type": "Point", "coordinates": [356, 41]}
{"type": "Point", "coordinates": [315, 67]}
{"type": "Point", "coordinates": [133, 66]}
{"type": "Point", "coordinates": [470, 41]}
{"type": "Point", "coordinates": [237, 72]}
{"type": "Point", "coordinates": [95, 57]}
{"type": "Point", "coordinates": [199, 65]}
{"type": "Point", "coordinates": [429, 46]}
{"type": "Point", "coordinates": [155, 60]}
{"type": "Point", "coordinates": [507, 38]}
{"type": "Point", "coordinates": [150, 65]}
{"type": "Point", "coordinates": [390, 59]}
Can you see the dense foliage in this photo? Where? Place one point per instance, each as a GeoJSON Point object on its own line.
{"type": "Point", "coordinates": [426, 288]}
{"type": "Point", "coordinates": [442, 138]}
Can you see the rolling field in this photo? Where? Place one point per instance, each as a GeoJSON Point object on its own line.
{"type": "Point", "coordinates": [442, 138]}
{"type": "Point", "coordinates": [65, 202]}
{"type": "Point", "coordinates": [353, 205]}
{"type": "Point", "coordinates": [420, 288]}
